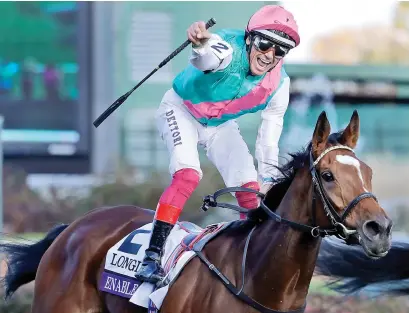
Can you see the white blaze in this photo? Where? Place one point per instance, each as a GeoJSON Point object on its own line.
{"type": "Point", "coordinates": [348, 160]}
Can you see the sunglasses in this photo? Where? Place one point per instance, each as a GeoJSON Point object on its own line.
{"type": "Point", "coordinates": [265, 45]}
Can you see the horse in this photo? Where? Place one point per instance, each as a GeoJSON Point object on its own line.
{"type": "Point", "coordinates": [323, 190]}
{"type": "Point", "coordinates": [349, 271]}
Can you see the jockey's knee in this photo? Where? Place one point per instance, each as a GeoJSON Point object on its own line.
{"type": "Point", "coordinates": [184, 183]}
{"type": "Point", "coordinates": [188, 179]}
{"type": "Point", "coordinates": [248, 200]}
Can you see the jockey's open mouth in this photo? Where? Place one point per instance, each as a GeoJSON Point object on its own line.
{"type": "Point", "coordinates": [266, 49]}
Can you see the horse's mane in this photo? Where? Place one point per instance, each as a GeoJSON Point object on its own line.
{"type": "Point", "coordinates": [287, 172]}
{"type": "Point", "coordinates": [282, 182]}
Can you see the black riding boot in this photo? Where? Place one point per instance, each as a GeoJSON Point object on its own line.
{"type": "Point", "coordinates": [151, 270]}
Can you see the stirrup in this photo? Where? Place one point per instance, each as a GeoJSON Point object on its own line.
{"type": "Point", "coordinates": [151, 270]}
{"type": "Point", "coordinates": [150, 273]}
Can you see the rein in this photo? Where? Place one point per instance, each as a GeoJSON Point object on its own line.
{"type": "Point", "coordinates": [239, 292]}
{"type": "Point", "coordinates": [338, 222]}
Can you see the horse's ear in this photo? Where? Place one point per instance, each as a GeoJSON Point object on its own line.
{"type": "Point", "coordinates": [321, 134]}
{"type": "Point", "coordinates": [351, 133]}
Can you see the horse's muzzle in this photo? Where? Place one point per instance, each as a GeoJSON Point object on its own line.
{"type": "Point", "coordinates": [375, 236]}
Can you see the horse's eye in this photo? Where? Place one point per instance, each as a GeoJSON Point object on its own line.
{"type": "Point", "coordinates": [327, 176]}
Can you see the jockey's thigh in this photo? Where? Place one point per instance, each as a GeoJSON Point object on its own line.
{"type": "Point", "coordinates": [179, 130]}
{"type": "Point", "coordinates": [228, 151]}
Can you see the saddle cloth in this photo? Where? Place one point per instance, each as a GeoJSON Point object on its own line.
{"type": "Point", "coordinates": [125, 257]}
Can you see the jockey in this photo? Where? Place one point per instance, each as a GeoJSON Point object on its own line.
{"type": "Point", "coordinates": [231, 73]}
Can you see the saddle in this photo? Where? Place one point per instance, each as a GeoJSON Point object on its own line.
{"type": "Point", "coordinates": [124, 258]}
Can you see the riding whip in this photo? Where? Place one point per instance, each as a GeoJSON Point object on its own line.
{"type": "Point", "coordinates": [122, 98]}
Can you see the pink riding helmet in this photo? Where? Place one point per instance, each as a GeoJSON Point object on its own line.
{"type": "Point", "coordinates": [275, 17]}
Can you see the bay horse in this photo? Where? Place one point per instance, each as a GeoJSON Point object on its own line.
{"type": "Point", "coordinates": [351, 271]}
{"type": "Point", "coordinates": [323, 190]}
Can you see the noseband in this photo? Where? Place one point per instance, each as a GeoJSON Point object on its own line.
{"type": "Point", "coordinates": [337, 221]}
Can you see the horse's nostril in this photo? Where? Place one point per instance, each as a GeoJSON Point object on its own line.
{"type": "Point", "coordinates": [389, 227]}
{"type": "Point", "coordinates": [372, 228]}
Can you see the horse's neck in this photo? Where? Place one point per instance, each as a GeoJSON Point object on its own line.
{"type": "Point", "coordinates": [283, 274]}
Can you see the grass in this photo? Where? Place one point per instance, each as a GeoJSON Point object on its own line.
{"type": "Point", "coordinates": [318, 286]}
{"type": "Point", "coordinates": [22, 237]}
{"type": "Point", "coordinates": [32, 236]}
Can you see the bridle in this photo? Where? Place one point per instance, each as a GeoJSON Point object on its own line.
{"type": "Point", "coordinates": [337, 221]}
{"type": "Point", "coordinates": [338, 225]}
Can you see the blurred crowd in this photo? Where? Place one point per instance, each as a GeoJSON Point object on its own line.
{"type": "Point", "coordinates": [18, 80]}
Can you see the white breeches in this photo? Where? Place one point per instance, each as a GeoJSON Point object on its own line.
{"type": "Point", "coordinates": [223, 144]}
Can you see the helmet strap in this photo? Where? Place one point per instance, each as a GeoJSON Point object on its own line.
{"type": "Point", "coordinates": [248, 46]}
